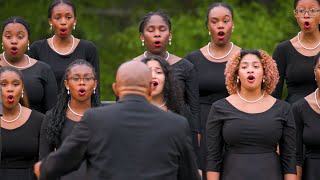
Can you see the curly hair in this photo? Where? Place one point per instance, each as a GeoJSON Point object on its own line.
{"type": "Point", "coordinates": [270, 71]}
{"type": "Point", "coordinates": [57, 115]}
{"type": "Point", "coordinates": [173, 94]}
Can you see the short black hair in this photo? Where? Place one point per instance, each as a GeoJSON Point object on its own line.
{"type": "Point", "coordinates": [147, 17]}
{"type": "Point", "coordinates": [56, 2]}
{"type": "Point", "coordinates": [16, 19]}
{"type": "Point", "coordinates": [217, 4]}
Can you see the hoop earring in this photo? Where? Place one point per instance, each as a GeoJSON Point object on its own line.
{"type": "Point", "coordinates": [22, 94]}
{"type": "Point", "coordinates": [50, 26]}
{"type": "Point", "coordinates": [142, 42]}
{"type": "Point", "coordinates": [94, 90]}
{"type": "Point", "coordinates": [68, 92]}
{"type": "Point", "coordinates": [170, 42]}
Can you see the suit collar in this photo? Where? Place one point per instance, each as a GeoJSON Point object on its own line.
{"type": "Point", "coordinates": [133, 97]}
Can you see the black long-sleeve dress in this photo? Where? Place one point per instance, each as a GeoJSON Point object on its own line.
{"type": "Point", "coordinates": [308, 135]}
{"type": "Point", "coordinates": [296, 69]}
{"type": "Point", "coordinates": [86, 50]}
{"type": "Point", "coordinates": [46, 147]}
{"type": "Point", "coordinates": [250, 142]}
{"type": "Point", "coordinates": [20, 149]}
{"type": "Point", "coordinates": [211, 88]}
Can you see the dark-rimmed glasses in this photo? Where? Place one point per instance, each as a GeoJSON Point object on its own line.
{"type": "Point", "coordinates": [85, 79]}
{"type": "Point", "coordinates": [302, 12]}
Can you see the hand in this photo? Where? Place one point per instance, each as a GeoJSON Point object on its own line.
{"type": "Point", "coordinates": [37, 169]}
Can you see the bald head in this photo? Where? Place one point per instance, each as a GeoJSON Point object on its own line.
{"type": "Point", "coordinates": [133, 77]}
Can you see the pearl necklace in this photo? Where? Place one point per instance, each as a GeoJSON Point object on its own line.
{"type": "Point", "coordinates": [60, 52]}
{"type": "Point", "coordinates": [168, 54]}
{"type": "Point", "coordinates": [208, 49]}
{"type": "Point", "coordinates": [304, 46]}
{"type": "Point", "coordinates": [161, 106]}
{"type": "Point", "coordinates": [15, 119]}
{"type": "Point", "coordinates": [77, 114]}
{"type": "Point", "coordinates": [19, 67]}
{"type": "Point", "coordinates": [254, 101]}
{"type": "Point", "coordinates": [315, 97]}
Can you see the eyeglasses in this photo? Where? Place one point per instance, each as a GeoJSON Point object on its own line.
{"type": "Point", "coordinates": [85, 79]}
{"type": "Point", "coordinates": [302, 12]}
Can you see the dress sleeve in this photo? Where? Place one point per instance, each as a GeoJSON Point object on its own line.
{"type": "Point", "coordinates": [214, 141]}
{"type": "Point", "coordinates": [93, 58]}
{"type": "Point", "coordinates": [299, 130]}
{"type": "Point", "coordinates": [33, 52]}
{"type": "Point", "coordinates": [70, 155]}
{"type": "Point", "coordinates": [287, 144]}
{"type": "Point", "coordinates": [50, 90]}
{"type": "Point", "coordinates": [45, 147]}
{"type": "Point", "coordinates": [278, 56]}
{"type": "Point", "coordinates": [192, 97]}
{"type": "Point", "coordinates": [188, 169]}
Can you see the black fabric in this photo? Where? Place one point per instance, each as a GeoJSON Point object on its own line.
{"type": "Point", "coordinates": [46, 146]}
{"type": "Point", "coordinates": [296, 69]}
{"type": "Point", "coordinates": [20, 149]}
{"type": "Point", "coordinates": [40, 86]}
{"type": "Point", "coordinates": [308, 133]}
{"type": "Point", "coordinates": [250, 141]}
{"type": "Point", "coordinates": [86, 50]}
{"type": "Point", "coordinates": [211, 88]}
{"type": "Point", "coordinates": [130, 139]}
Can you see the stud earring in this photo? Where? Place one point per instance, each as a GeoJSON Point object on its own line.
{"type": "Point", "coordinates": [94, 90]}
{"type": "Point", "coordinates": [263, 80]}
{"type": "Point", "coordinates": [74, 26]}
{"type": "Point", "coordinates": [238, 80]}
{"type": "Point", "coordinates": [170, 42]}
{"type": "Point", "coordinates": [68, 92]}
{"type": "Point", "coordinates": [50, 26]}
{"type": "Point", "coordinates": [28, 47]}
{"type": "Point", "coordinates": [142, 42]}
{"type": "Point", "coordinates": [22, 94]}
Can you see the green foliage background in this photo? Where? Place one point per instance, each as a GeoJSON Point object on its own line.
{"type": "Point", "coordinates": [113, 26]}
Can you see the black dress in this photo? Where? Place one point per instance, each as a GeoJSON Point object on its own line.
{"type": "Point", "coordinates": [47, 147]}
{"type": "Point", "coordinates": [296, 69]}
{"type": "Point", "coordinates": [86, 50]}
{"type": "Point", "coordinates": [308, 135]}
{"type": "Point", "coordinates": [211, 88]}
{"type": "Point", "coordinates": [40, 86]}
{"type": "Point", "coordinates": [250, 141]}
{"type": "Point", "coordinates": [186, 75]}
{"type": "Point", "coordinates": [20, 149]}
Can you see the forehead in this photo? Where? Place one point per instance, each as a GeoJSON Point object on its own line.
{"type": "Point", "coordinates": [15, 27]}
{"type": "Point", "coordinates": [250, 58]}
{"type": "Point", "coordinates": [156, 20]}
{"type": "Point", "coordinates": [308, 3]}
{"type": "Point", "coordinates": [9, 75]}
{"type": "Point", "coordinates": [81, 69]}
{"type": "Point", "coordinates": [62, 8]}
{"type": "Point", "coordinates": [153, 63]}
{"type": "Point", "coordinates": [219, 11]}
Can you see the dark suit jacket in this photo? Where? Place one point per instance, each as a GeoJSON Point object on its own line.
{"type": "Point", "coordinates": [129, 140]}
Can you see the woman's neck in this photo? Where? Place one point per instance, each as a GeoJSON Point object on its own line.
{"type": "Point", "coordinates": [80, 106]}
{"type": "Point", "coordinates": [11, 112]}
{"type": "Point", "coordinates": [310, 37]}
{"type": "Point", "coordinates": [158, 101]}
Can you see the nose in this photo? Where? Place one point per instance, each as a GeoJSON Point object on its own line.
{"type": "Point", "coordinates": [220, 25]}
{"type": "Point", "coordinates": [157, 33]}
{"type": "Point", "coordinates": [63, 21]}
{"type": "Point", "coordinates": [153, 74]}
{"type": "Point", "coordinates": [13, 40]}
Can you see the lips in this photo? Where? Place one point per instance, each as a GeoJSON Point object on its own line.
{"type": "Point", "coordinates": [221, 35]}
{"type": "Point", "coordinates": [10, 99]}
{"type": "Point", "coordinates": [14, 50]}
{"type": "Point", "coordinates": [82, 92]}
{"type": "Point", "coordinates": [157, 44]}
{"type": "Point", "coordinates": [250, 79]}
{"type": "Point", "coordinates": [154, 84]}
{"type": "Point", "coordinates": [307, 25]}
{"type": "Point", "coordinates": [63, 31]}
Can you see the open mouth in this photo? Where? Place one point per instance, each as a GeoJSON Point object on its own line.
{"type": "Point", "coordinates": [154, 84]}
{"type": "Point", "coordinates": [10, 99]}
{"type": "Point", "coordinates": [251, 78]}
{"type": "Point", "coordinates": [82, 92]}
{"type": "Point", "coordinates": [221, 35]}
{"type": "Point", "coordinates": [157, 43]}
{"type": "Point", "coordinates": [14, 50]}
{"type": "Point", "coordinates": [307, 25]}
{"type": "Point", "coordinates": [63, 31]}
